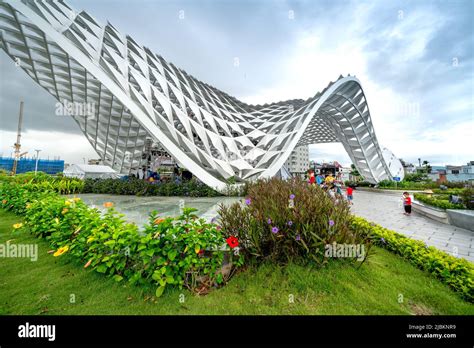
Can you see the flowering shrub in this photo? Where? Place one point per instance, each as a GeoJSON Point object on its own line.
{"type": "Point", "coordinates": [183, 251]}
{"type": "Point", "coordinates": [456, 272]}
{"type": "Point", "coordinates": [283, 220]}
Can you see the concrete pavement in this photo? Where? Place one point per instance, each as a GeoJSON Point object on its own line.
{"type": "Point", "coordinates": [386, 210]}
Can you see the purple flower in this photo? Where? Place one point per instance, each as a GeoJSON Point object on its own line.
{"type": "Point", "coordinates": [382, 240]}
{"type": "Point", "coordinates": [213, 220]}
{"type": "Point", "coordinates": [269, 221]}
{"type": "Point", "coordinates": [292, 196]}
{"type": "Point", "coordinates": [298, 237]}
{"type": "Point", "coordinates": [248, 201]}
{"type": "Point", "coordinates": [331, 222]}
{"type": "Point", "coordinates": [274, 229]}
{"type": "Point", "coordinates": [290, 223]}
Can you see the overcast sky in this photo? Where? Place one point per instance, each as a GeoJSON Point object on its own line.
{"type": "Point", "coordinates": [414, 60]}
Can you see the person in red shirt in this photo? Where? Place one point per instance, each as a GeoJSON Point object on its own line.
{"type": "Point", "coordinates": [349, 192]}
{"type": "Point", "coordinates": [311, 178]}
{"type": "Point", "coordinates": [407, 203]}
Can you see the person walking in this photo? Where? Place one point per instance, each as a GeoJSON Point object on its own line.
{"type": "Point", "coordinates": [407, 203]}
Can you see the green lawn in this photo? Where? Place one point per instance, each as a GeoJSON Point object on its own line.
{"type": "Point", "coordinates": [46, 286]}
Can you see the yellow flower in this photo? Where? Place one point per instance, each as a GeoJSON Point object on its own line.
{"type": "Point", "coordinates": [65, 210]}
{"type": "Point", "coordinates": [17, 226]}
{"type": "Point", "coordinates": [61, 251]}
{"type": "Point", "coordinates": [76, 199]}
{"type": "Point", "coordinates": [56, 220]}
{"type": "Point", "coordinates": [67, 203]}
{"type": "Point", "coordinates": [4, 201]}
{"type": "Point", "coordinates": [28, 205]}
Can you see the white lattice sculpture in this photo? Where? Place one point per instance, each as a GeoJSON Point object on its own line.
{"type": "Point", "coordinates": [138, 95]}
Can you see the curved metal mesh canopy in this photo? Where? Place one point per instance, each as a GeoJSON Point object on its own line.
{"type": "Point", "coordinates": [138, 95]}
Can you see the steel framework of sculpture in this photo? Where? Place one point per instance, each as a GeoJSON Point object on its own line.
{"type": "Point", "coordinates": [138, 95]}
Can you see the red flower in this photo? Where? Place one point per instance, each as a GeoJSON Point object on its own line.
{"type": "Point", "coordinates": [232, 241]}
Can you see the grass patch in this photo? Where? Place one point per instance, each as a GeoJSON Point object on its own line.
{"type": "Point", "coordinates": [45, 287]}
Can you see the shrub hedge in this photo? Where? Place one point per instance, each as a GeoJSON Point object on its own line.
{"type": "Point", "coordinates": [422, 185]}
{"type": "Point", "coordinates": [137, 187]}
{"type": "Point", "coordinates": [456, 272]}
{"type": "Point", "coordinates": [438, 202]}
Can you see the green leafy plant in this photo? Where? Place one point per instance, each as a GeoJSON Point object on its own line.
{"type": "Point", "coordinates": [186, 251]}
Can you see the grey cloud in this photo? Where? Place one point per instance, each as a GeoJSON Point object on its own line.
{"type": "Point", "coordinates": [39, 107]}
{"type": "Point", "coordinates": [431, 80]}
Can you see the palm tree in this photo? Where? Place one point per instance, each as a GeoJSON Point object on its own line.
{"type": "Point", "coordinates": [427, 166]}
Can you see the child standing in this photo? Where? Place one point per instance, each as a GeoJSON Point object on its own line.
{"type": "Point", "coordinates": [407, 203]}
{"type": "Point", "coordinates": [312, 179]}
{"type": "Point", "coordinates": [349, 192]}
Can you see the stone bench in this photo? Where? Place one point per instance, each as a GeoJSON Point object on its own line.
{"type": "Point", "coordinates": [461, 218]}
{"type": "Point", "coordinates": [434, 213]}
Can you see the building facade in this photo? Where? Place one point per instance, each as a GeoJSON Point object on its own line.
{"type": "Point", "coordinates": [298, 162]}
{"type": "Point", "coordinates": [462, 173]}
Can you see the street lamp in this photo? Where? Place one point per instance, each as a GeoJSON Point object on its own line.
{"type": "Point", "coordinates": [37, 159]}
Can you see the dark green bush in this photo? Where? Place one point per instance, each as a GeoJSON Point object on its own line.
{"type": "Point", "coordinates": [437, 202]}
{"type": "Point", "coordinates": [467, 197]}
{"type": "Point", "coordinates": [191, 188]}
{"type": "Point", "coordinates": [407, 185]}
{"type": "Point", "coordinates": [456, 184]}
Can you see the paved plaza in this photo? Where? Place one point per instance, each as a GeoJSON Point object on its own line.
{"type": "Point", "coordinates": [386, 210]}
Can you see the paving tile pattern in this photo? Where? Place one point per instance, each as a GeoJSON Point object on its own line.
{"type": "Point", "coordinates": [386, 210]}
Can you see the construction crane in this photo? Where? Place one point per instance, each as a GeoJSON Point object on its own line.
{"type": "Point", "coordinates": [17, 145]}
